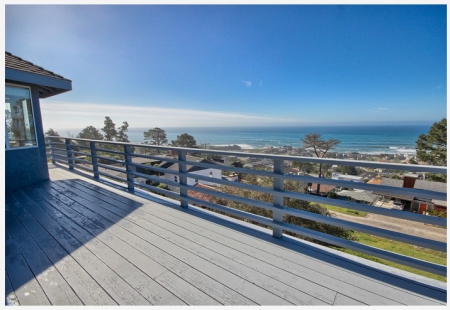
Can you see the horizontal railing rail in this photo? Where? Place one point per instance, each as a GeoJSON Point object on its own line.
{"type": "Point", "coordinates": [122, 168]}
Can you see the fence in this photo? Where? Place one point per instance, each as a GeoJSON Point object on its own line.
{"type": "Point", "coordinates": [70, 151]}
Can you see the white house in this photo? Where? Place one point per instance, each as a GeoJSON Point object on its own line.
{"type": "Point", "coordinates": [213, 173]}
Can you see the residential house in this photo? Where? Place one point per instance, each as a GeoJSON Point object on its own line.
{"type": "Point", "coordinates": [417, 204]}
{"type": "Point", "coordinates": [361, 156]}
{"type": "Point", "coordinates": [357, 195]}
{"type": "Point", "coordinates": [324, 189]}
{"type": "Point", "coordinates": [144, 161]}
{"type": "Point", "coordinates": [213, 173]}
{"type": "Point", "coordinates": [25, 152]}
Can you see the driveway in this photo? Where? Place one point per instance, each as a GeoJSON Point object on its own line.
{"type": "Point", "coordinates": [399, 225]}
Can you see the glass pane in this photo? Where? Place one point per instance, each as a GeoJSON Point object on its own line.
{"type": "Point", "coordinates": [19, 117]}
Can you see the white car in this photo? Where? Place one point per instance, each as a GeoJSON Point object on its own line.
{"type": "Point", "coordinates": [397, 205]}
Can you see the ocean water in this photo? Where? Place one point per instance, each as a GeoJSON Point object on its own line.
{"type": "Point", "coordinates": [362, 139]}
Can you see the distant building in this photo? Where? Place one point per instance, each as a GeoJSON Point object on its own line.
{"type": "Point", "coordinates": [417, 204]}
{"type": "Point", "coordinates": [361, 196]}
{"type": "Point", "coordinates": [324, 189]}
{"type": "Point", "coordinates": [213, 173]}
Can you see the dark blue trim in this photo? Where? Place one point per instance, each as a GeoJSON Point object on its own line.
{"type": "Point", "coordinates": [37, 79]}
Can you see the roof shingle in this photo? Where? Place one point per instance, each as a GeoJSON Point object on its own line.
{"type": "Point", "coordinates": [17, 63]}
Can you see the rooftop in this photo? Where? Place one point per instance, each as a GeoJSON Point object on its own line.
{"type": "Point", "coordinates": [20, 70]}
{"type": "Point", "coordinates": [15, 62]}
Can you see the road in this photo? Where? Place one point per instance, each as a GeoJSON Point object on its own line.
{"type": "Point", "coordinates": [398, 225]}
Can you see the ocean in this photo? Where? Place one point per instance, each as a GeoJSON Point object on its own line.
{"type": "Point", "coordinates": [362, 139]}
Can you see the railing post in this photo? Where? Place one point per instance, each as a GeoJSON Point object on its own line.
{"type": "Point", "coordinates": [128, 160]}
{"type": "Point", "coordinates": [52, 153]}
{"type": "Point", "coordinates": [278, 185]}
{"type": "Point", "coordinates": [183, 178]}
{"type": "Point", "coordinates": [94, 159]}
{"type": "Point", "coordinates": [69, 153]}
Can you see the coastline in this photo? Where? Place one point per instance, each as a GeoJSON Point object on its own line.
{"type": "Point", "coordinates": [369, 140]}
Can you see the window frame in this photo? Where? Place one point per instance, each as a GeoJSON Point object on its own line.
{"type": "Point", "coordinates": [7, 145]}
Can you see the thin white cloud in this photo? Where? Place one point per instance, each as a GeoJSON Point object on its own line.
{"type": "Point", "coordinates": [439, 86]}
{"type": "Point", "coordinates": [260, 83]}
{"type": "Point", "coordinates": [380, 109]}
{"type": "Point", "coordinates": [247, 83]}
{"type": "Point", "coordinates": [79, 115]}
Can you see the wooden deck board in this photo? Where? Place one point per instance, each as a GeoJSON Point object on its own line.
{"type": "Point", "coordinates": [379, 287]}
{"type": "Point", "coordinates": [55, 287]}
{"type": "Point", "coordinates": [10, 295]}
{"type": "Point", "coordinates": [85, 287]}
{"type": "Point", "coordinates": [96, 238]}
{"type": "Point", "coordinates": [309, 268]}
{"type": "Point", "coordinates": [337, 279]}
{"type": "Point", "coordinates": [292, 288]}
{"type": "Point", "coordinates": [25, 285]}
{"type": "Point", "coordinates": [140, 255]}
{"type": "Point", "coordinates": [166, 254]}
{"type": "Point", "coordinates": [113, 269]}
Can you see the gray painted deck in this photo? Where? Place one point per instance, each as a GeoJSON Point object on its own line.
{"type": "Point", "coordinates": [75, 241]}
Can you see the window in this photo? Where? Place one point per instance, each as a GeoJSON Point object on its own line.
{"type": "Point", "coordinates": [19, 121]}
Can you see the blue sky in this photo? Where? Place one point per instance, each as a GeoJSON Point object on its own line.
{"type": "Point", "coordinates": [238, 65]}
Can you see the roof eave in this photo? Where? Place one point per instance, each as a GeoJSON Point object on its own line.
{"type": "Point", "coordinates": [50, 86]}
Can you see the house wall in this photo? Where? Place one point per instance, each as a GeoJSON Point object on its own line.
{"type": "Point", "coordinates": [25, 166]}
{"type": "Point", "coordinates": [216, 174]}
{"type": "Point", "coordinates": [415, 206]}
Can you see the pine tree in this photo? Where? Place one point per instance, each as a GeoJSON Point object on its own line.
{"type": "Point", "coordinates": [109, 129]}
{"type": "Point", "coordinates": [320, 147]}
{"type": "Point", "coordinates": [122, 133]}
{"type": "Point", "coordinates": [432, 148]}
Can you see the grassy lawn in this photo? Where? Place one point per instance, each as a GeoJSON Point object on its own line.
{"type": "Point", "coordinates": [400, 248]}
{"type": "Point", "coordinates": [344, 210]}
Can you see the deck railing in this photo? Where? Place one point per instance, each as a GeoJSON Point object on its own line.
{"type": "Point", "coordinates": [68, 150]}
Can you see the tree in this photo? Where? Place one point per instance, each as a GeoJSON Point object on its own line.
{"type": "Point", "coordinates": [155, 136]}
{"type": "Point", "coordinates": [122, 133]}
{"type": "Point", "coordinates": [90, 132]}
{"type": "Point", "coordinates": [303, 166]}
{"type": "Point", "coordinates": [432, 148]}
{"type": "Point", "coordinates": [184, 140]}
{"type": "Point", "coordinates": [109, 129]}
{"type": "Point", "coordinates": [320, 147]}
{"type": "Point", "coordinates": [123, 137]}
{"type": "Point", "coordinates": [350, 170]}
{"type": "Point", "coordinates": [289, 185]}
{"type": "Point", "coordinates": [53, 133]}
{"type": "Point", "coordinates": [332, 194]}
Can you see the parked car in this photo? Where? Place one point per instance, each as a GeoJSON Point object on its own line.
{"type": "Point", "coordinates": [397, 205]}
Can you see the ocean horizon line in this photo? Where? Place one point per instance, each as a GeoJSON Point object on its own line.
{"type": "Point", "coordinates": [387, 124]}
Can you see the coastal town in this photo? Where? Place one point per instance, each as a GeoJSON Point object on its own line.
{"type": "Point", "coordinates": [356, 174]}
